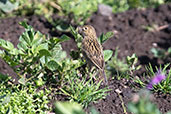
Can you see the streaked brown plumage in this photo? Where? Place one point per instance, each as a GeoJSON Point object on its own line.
{"type": "Point", "coordinates": [92, 49]}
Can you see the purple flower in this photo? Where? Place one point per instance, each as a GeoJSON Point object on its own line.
{"type": "Point", "coordinates": [157, 79]}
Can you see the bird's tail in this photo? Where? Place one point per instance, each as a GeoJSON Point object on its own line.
{"type": "Point", "coordinates": [102, 73]}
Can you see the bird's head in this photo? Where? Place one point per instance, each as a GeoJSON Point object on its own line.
{"type": "Point", "coordinates": [87, 30]}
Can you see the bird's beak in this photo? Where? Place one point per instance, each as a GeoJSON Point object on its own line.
{"type": "Point", "coordinates": [79, 30]}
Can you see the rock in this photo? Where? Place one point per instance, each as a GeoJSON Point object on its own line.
{"type": "Point", "coordinates": [104, 10]}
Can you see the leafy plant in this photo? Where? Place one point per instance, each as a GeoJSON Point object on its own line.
{"type": "Point", "coordinates": [6, 6]}
{"type": "Point", "coordinates": [34, 55]}
{"type": "Point", "coordinates": [165, 85]}
{"type": "Point", "coordinates": [123, 5]}
{"type": "Point", "coordinates": [40, 60]}
{"type": "Point", "coordinates": [161, 53]}
{"type": "Point", "coordinates": [132, 61]}
{"type": "Point", "coordinates": [121, 67]}
{"type": "Point", "coordinates": [71, 108]}
{"type": "Point", "coordinates": [145, 3]}
{"type": "Point", "coordinates": [38, 7]}
{"type": "Point", "coordinates": [117, 65]}
{"type": "Point", "coordinates": [141, 104]}
{"type": "Point", "coordinates": [21, 100]}
{"type": "Point", "coordinates": [83, 90]}
{"type": "Point", "coordinates": [151, 28]}
{"type": "Point", "coordinates": [68, 108]}
{"type": "Point", "coordinates": [79, 10]}
{"type": "Point", "coordinates": [159, 81]}
{"type": "Point", "coordinates": [117, 5]}
{"type": "Point", "coordinates": [103, 38]}
{"type": "Point", "coordinates": [79, 85]}
{"type": "Point", "coordinates": [28, 7]}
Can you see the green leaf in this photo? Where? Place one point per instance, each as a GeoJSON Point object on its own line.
{"type": "Point", "coordinates": [2, 53]}
{"type": "Point", "coordinates": [158, 52]}
{"type": "Point", "coordinates": [39, 82]}
{"type": "Point", "coordinates": [93, 111]}
{"type": "Point", "coordinates": [6, 100]}
{"type": "Point", "coordinates": [59, 40]}
{"type": "Point", "coordinates": [22, 46]}
{"type": "Point", "coordinates": [25, 38]}
{"type": "Point", "coordinates": [31, 35]}
{"type": "Point", "coordinates": [64, 38]}
{"type": "Point", "coordinates": [28, 36]}
{"type": "Point", "coordinates": [24, 24]}
{"type": "Point", "coordinates": [107, 54]}
{"type": "Point", "coordinates": [58, 55]}
{"type": "Point", "coordinates": [132, 108]}
{"type": "Point", "coordinates": [38, 38]}
{"type": "Point", "coordinates": [10, 61]}
{"type": "Point", "coordinates": [68, 108]}
{"type": "Point", "coordinates": [44, 52]}
{"type": "Point", "coordinates": [104, 37]}
{"type": "Point", "coordinates": [53, 65]}
{"type": "Point", "coordinates": [131, 60]}
{"type": "Point", "coordinates": [10, 45]}
{"type": "Point", "coordinates": [22, 80]}
{"type": "Point", "coordinates": [14, 51]}
{"type": "Point", "coordinates": [63, 27]}
{"type": "Point", "coordinates": [44, 59]}
{"type": "Point", "coordinates": [6, 45]}
{"type": "Point", "coordinates": [169, 50]}
{"type": "Point", "coordinates": [100, 39]}
{"type": "Point", "coordinates": [168, 112]}
{"type": "Point", "coordinates": [43, 46]}
{"type": "Point", "coordinates": [73, 32]}
{"type": "Point", "coordinates": [6, 6]}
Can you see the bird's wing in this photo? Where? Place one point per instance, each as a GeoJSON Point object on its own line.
{"type": "Point", "coordinates": [94, 52]}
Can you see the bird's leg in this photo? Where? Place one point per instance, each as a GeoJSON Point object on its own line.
{"type": "Point", "coordinates": [102, 77]}
{"type": "Point", "coordinates": [93, 70]}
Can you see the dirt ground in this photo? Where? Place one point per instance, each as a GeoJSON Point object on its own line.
{"type": "Point", "coordinates": [131, 38]}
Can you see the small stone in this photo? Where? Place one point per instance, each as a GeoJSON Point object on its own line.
{"type": "Point", "coordinates": [118, 91]}
{"type": "Point", "coordinates": [154, 44]}
{"type": "Point", "coordinates": [105, 10]}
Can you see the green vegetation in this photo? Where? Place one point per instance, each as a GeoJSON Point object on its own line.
{"type": "Point", "coordinates": [124, 5]}
{"type": "Point", "coordinates": [75, 11]}
{"type": "Point", "coordinates": [141, 104]}
{"type": "Point", "coordinates": [34, 56]}
{"type": "Point", "coordinates": [126, 68]}
{"type": "Point", "coordinates": [161, 53]}
{"type": "Point", "coordinates": [165, 85]}
{"type": "Point", "coordinates": [103, 37]}
{"type": "Point", "coordinates": [40, 62]}
{"type": "Point", "coordinates": [27, 7]}
{"type": "Point", "coordinates": [20, 99]}
{"type": "Point", "coordinates": [78, 11]}
{"type": "Point", "coordinates": [123, 68]}
{"type": "Point", "coordinates": [71, 108]}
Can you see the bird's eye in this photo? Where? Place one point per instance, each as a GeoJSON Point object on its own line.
{"type": "Point", "coordinates": [85, 28]}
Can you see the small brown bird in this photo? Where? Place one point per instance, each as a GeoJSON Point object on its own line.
{"type": "Point", "coordinates": [92, 49]}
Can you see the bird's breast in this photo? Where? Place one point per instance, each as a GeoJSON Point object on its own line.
{"type": "Point", "coordinates": [91, 46]}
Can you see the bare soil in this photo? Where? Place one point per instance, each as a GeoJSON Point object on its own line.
{"type": "Point", "coordinates": [131, 38]}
